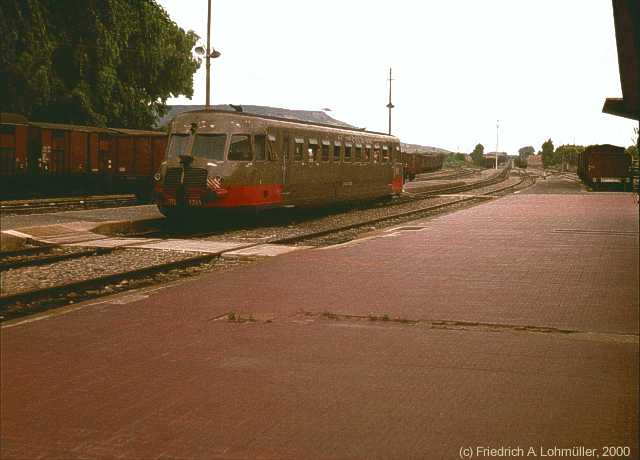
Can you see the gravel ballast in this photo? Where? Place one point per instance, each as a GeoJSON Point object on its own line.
{"type": "Point", "coordinates": [121, 260]}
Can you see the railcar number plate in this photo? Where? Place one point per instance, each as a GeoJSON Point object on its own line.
{"type": "Point", "coordinates": [194, 202]}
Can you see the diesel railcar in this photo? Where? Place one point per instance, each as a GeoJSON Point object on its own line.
{"type": "Point", "coordinates": [45, 159]}
{"type": "Point", "coordinates": [224, 160]}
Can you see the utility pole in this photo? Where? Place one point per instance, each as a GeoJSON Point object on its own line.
{"type": "Point", "coordinates": [208, 64]}
{"type": "Point", "coordinates": [390, 105]}
{"type": "Point", "coordinates": [497, 130]}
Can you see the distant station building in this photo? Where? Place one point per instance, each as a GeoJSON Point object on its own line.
{"type": "Point", "coordinates": [490, 159]}
{"type": "Point", "coordinates": [534, 161]}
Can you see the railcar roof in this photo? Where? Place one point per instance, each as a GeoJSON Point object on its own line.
{"type": "Point", "coordinates": [286, 120]}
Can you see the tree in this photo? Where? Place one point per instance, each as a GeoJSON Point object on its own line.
{"type": "Point", "coordinates": [547, 153]}
{"type": "Point", "coordinates": [632, 150]}
{"type": "Point", "coordinates": [568, 154]}
{"type": "Point", "coordinates": [98, 62]}
{"type": "Point", "coordinates": [477, 156]}
{"type": "Point", "coordinates": [526, 151]}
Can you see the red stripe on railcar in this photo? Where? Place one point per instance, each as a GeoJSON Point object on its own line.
{"type": "Point", "coordinates": [248, 195]}
{"type": "Point", "coordinates": [236, 196]}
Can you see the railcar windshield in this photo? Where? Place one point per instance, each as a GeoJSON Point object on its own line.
{"type": "Point", "coordinates": [209, 146]}
{"type": "Point", "coordinates": [240, 149]}
{"type": "Point", "coordinates": [177, 145]}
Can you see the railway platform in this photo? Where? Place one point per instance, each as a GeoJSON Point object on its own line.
{"type": "Point", "coordinates": [75, 225]}
{"type": "Point", "coordinates": [513, 324]}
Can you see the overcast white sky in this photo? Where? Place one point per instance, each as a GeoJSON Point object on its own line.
{"type": "Point", "coordinates": [541, 67]}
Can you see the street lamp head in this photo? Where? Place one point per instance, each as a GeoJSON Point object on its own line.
{"type": "Point", "coordinates": [201, 51]}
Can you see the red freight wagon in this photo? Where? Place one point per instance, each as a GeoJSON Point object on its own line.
{"type": "Point", "coordinates": [13, 145]}
{"type": "Point", "coordinates": [418, 163]}
{"type": "Point", "coordinates": [604, 163]}
{"type": "Point", "coordinates": [38, 158]}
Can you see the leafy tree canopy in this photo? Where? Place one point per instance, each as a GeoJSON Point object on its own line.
{"type": "Point", "coordinates": [477, 156]}
{"type": "Point", "coordinates": [568, 154]}
{"type": "Point", "coordinates": [547, 152]}
{"type": "Point", "coordinates": [97, 62]}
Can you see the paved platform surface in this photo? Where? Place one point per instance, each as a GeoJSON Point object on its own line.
{"type": "Point", "coordinates": [511, 324]}
{"type": "Point", "coordinates": [132, 213]}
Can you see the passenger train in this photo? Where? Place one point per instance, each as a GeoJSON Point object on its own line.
{"type": "Point", "coordinates": [223, 160]}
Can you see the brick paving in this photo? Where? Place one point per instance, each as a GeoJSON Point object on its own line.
{"type": "Point", "coordinates": [165, 375]}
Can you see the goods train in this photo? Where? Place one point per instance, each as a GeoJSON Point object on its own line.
{"type": "Point", "coordinates": [604, 163]}
{"type": "Point", "coordinates": [58, 159]}
{"type": "Point", "coordinates": [223, 160]}
{"type": "Point", "coordinates": [418, 163]}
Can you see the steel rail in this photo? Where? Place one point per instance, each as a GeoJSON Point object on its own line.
{"type": "Point", "coordinates": [52, 204]}
{"type": "Point", "coordinates": [47, 259]}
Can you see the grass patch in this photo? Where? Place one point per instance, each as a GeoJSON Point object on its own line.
{"type": "Point", "coordinates": [234, 317]}
{"type": "Point", "coordinates": [330, 315]}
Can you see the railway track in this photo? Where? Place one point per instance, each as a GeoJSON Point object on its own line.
{"type": "Point", "coordinates": [445, 175]}
{"type": "Point", "coordinates": [37, 206]}
{"type": "Point", "coordinates": [45, 255]}
{"type": "Point", "coordinates": [29, 301]}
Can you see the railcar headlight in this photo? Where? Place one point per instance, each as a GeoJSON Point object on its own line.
{"type": "Point", "coordinates": [157, 176]}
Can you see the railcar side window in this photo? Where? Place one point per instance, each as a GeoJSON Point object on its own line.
{"type": "Point", "coordinates": [325, 150]}
{"type": "Point", "coordinates": [298, 149]}
{"type": "Point", "coordinates": [271, 148]}
{"type": "Point", "coordinates": [358, 152]}
{"type": "Point", "coordinates": [240, 149]}
{"type": "Point", "coordinates": [348, 147]}
{"type": "Point", "coordinates": [177, 145]}
{"type": "Point", "coordinates": [376, 153]}
{"type": "Point", "coordinates": [367, 153]}
{"type": "Point", "coordinates": [312, 150]}
{"type": "Point", "coordinates": [285, 148]}
{"type": "Point", "coordinates": [259, 146]}
{"type": "Point", "coordinates": [385, 153]}
{"type": "Point", "coordinates": [336, 151]}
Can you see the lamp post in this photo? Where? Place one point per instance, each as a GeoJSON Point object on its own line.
{"type": "Point", "coordinates": [210, 53]}
{"type": "Point", "coordinates": [497, 128]}
{"type": "Point", "coordinates": [390, 105]}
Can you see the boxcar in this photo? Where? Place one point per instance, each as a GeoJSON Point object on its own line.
{"type": "Point", "coordinates": [418, 163]}
{"type": "Point", "coordinates": [38, 158]}
{"type": "Point", "coordinates": [604, 163]}
{"type": "Point", "coordinates": [218, 160]}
